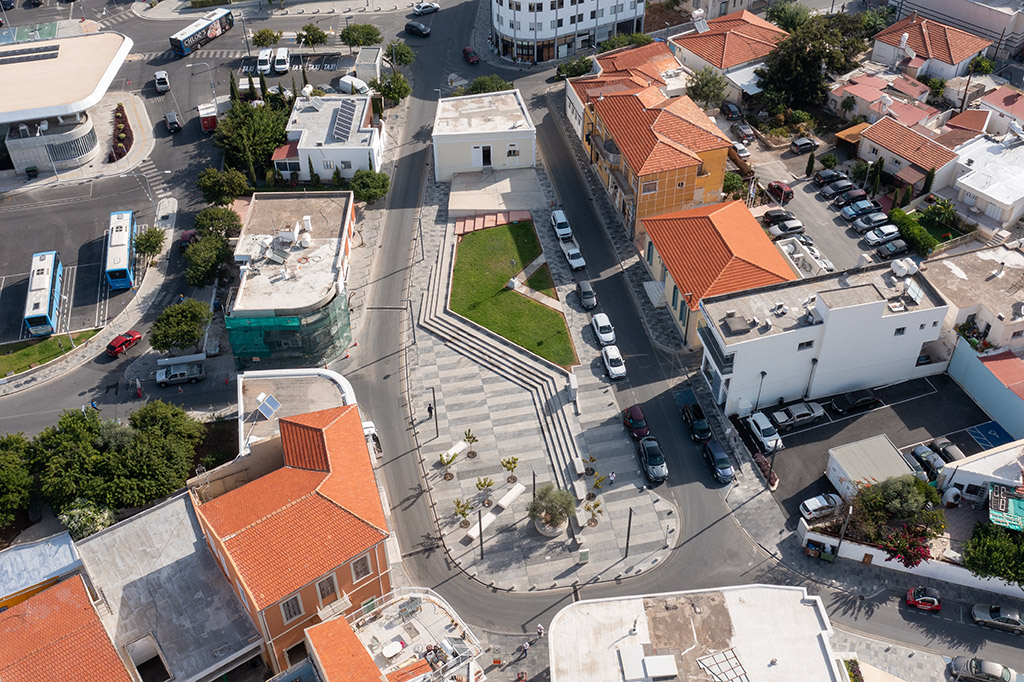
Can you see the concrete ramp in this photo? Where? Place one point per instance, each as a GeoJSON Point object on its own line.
{"type": "Point", "coordinates": [495, 191]}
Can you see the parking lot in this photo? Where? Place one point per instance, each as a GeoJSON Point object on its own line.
{"type": "Point", "coordinates": [320, 69]}
{"type": "Point", "coordinates": [913, 412]}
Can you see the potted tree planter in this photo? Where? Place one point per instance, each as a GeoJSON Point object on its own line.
{"type": "Point", "coordinates": [550, 510]}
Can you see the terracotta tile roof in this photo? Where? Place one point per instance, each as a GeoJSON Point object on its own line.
{"type": "Point", "coordinates": [311, 521]}
{"type": "Point", "coordinates": [651, 59]}
{"type": "Point", "coordinates": [1006, 99]}
{"type": "Point", "coordinates": [57, 635]}
{"type": "Point", "coordinates": [972, 119]}
{"type": "Point", "coordinates": [289, 150]}
{"type": "Point", "coordinates": [593, 87]}
{"type": "Point", "coordinates": [954, 137]}
{"type": "Point", "coordinates": [716, 249]}
{"type": "Point", "coordinates": [932, 40]}
{"type": "Point", "coordinates": [410, 672]}
{"type": "Point", "coordinates": [907, 113]}
{"type": "Point", "coordinates": [655, 140]}
{"type": "Point", "coordinates": [908, 144]}
{"type": "Point", "coordinates": [1008, 369]}
{"type": "Point", "coordinates": [733, 39]}
{"type": "Point", "coordinates": [341, 657]}
{"type": "Point", "coordinates": [909, 86]}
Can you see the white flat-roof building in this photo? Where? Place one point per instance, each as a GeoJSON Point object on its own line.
{"type": "Point", "coordinates": [990, 177]}
{"type": "Point", "coordinates": [334, 132]}
{"type": "Point", "coordinates": [972, 475]}
{"type": "Point", "coordinates": [291, 306]}
{"type": "Point", "coordinates": [731, 633]}
{"type": "Point", "coordinates": [48, 88]}
{"type": "Point", "coordinates": [821, 336]}
{"type": "Point", "coordinates": [492, 131]}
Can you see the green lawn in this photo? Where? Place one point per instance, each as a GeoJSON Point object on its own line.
{"type": "Point", "coordinates": [482, 267]}
{"type": "Point", "coordinates": [17, 357]}
{"type": "Point", "coordinates": [943, 234]}
{"type": "Point", "coordinates": [542, 282]}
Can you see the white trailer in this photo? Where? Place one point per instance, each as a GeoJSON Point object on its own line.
{"type": "Point", "coordinates": [864, 462]}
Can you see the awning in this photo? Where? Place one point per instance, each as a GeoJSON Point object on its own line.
{"type": "Point", "coordinates": [852, 134]}
{"type": "Point", "coordinates": [655, 292]}
{"type": "Point", "coordinates": [289, 150]}
{"type": "Point", "coordinates": [910, 175]}
{"type": "Point", "coordinates": [745, 79]}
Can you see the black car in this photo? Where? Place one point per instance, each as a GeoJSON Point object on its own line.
{"type": "Point", "coordinates": [7, 4]}
{"type": "Point", "coordinates": [173, 123]}
{"type": "Point", "coordinates": [416, 28]}
{"type": "Point", "coordinates": [855, 400]}
{"type": "Point", "coordinates": [588, 299]}
{"type": "Point", "coordinates": [826, 176]}
{"type": "Point", "coordinates": [731, 111]}
{"type": "Point", "coordinates": [802, 145]}
{"type": "Point", "coordinates": [718, 461]}
{"type": "Point", "coordinates": [836, 188]}
{"type": "Point", "coordinates": [775, 216]}
{"type": "Point", "coordinates": [896, 247]}
{"type": "Point", "coordinates": [700, 429]}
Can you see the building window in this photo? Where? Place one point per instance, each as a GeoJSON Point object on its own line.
{"type": "Point", "coordinates": [327, 588]}
{"type": "Point", "coordinates": [900, 331]}
{"type": "Point", "coordinates": [922, 326]}
{"type": "Point", "coordinates": [513, 150]}
{"type": "Point", "coordinates": [600, 12]}
{"type": "Point", "coordinates": [517, 6]}
{"type": "Point", "coordinates": [536, 6]}
{"type": "Point", "coordinates": [680, 185]}
{"type": "Point", "coordinates": [241, 594]}
{"type": "Point", "coordinates": [360, 568]}
{"type": "Point", "coordinates": [557, 4]}
{"type": "Point", "coordinates": [501, 3]}
{"type": "Point", "coordinates": [555, 24]}
{"type": "Point", "coordinates": [935, 323]}
{"type": "Point", "coordinates": [874, 150]}
{"type": "Point", "coordinates": [328, 165]}
{"type": "Point", "coordinates": [572, 19]}
{"type": "Point", "coordinates": [561, 22]}
{"type": "Point", "coordinates": [1017, 334]}
{"type": "Point", "coordinates": [346, 165]}
{"type": "Point", "coordinates": [534, 27]}
{"type": "Point", "coordinates": [724, 7]}
{"type": "Point", "coordinates": [805, 345]}
{"type": "Point", "coordinates": [650, 252]}
{"type": "Point", "coordinates": [291, 609]}
{"type": "Point", "coordinates": [593, 14]}
{"type": "Point", "coordinates": [579, 18]}
{"type": "Point", "coordinates": [897, 162]}
{"type": "Point", "coordinates": [675, 296]}
{"type": "Point", "coordinates": [649, 187]}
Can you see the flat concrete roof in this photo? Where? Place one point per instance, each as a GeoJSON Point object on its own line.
{"type": "Point", "coordinates": [158, 578]}
{"type": "Point", "coordinates": [73, 79]}
{"type": "Point", "coordinates": [282, 277]}
{"type": "Point", "coordinates": [995, 171]}
{"type": "Point", "coordinates": [31, 563]}
{"type": "Point", "coordinates": [975, 277]}
{"type": "Point", "coordinates": [297, 390]}
{"type": "Point", "coordinates": [491, 112]}
{"type": "Point", "coordinates": [332, 121]}
{"type": "Point", "coordinates": [871, 284]}
{"type": "Point", "coordinates": [871, 459]}
{"type": "Point", "coordinates": [999, 464]}
{"type": "Point", "coordinates": [730, 633]}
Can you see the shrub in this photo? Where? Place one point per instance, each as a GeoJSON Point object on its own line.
{"type": "Point", "coordinates": [798, 116]}
{"type": "Point", "coordinates": [574, 68]}
{"type": "Point", "coordinates": [829, 160]}
{"type": "Point", "coordinates": [552, 506]}
{"type": "Point", "coordinates": [860, 170]}
{"type": "Point", "coordinates": [122, 133]}
{"type": "Point", "coordinates": [915, 235]}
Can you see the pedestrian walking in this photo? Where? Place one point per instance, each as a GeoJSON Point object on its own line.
{"type": "Point", "coordinates": [540, 630]}
{"type": "Point", "coordinates": [526, 649]}
{"type": "Point", "coordinates": [430, 410]}
{"type": "Point", "coordinates": [94, 405]}
{"type": "Point", "coordinates": [611, 478]}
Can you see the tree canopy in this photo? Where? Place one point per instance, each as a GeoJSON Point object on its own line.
{"type": "Point", "coordinates": [368, 185]}
{"type": "Point", "coordinates": [311, 35]}
{"type": "Point", "coordinates": [392, 86]}
{"type": "Point", "coordinates": [15, 477]}
{"type": "Point", "coordinates": [707, 86]}
{"type": "Point", "coordinates": [398, 53]}
{"type": "Point", "coordinates": [788, 15]}
{"type": "Point", "coordinates": [249, 135]}
{"type": "Point", "coordinates": [995, 552]}
{"type": "Point", "coordinates": [360, 35]}
{"type": "Point", "coordinates": [218, 220]}
{"type": "Point", "coordinates": [624, 40]}
{"type": "Point", "coordinates": [205, 259]}
{"type": "Point", "coordinates": [485, 84]}
{"type": "Point", "coordinates": [580, 66]}
{"type": "Point", "coordinates": [150, 241]}
{"type": "Point", "coordinates": [221, 187]}
{"type": "Point", "coordinates": [266, 37]}
{"type": "Point", "coordinates": [181, 325]}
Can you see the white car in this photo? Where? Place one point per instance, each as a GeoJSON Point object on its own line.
{"type": "Point", "coordinates": [603, 329]}
{"type": "Point", "coordinates": [881, 235]}
{"type": "Point", "coordinates": [422, 8]}
{"type": "Point", "coordinates": [821, 506]}
{"type": "Point", "coordinates": [741, 150]}
{"type": "Point", "coordinates": [560, 224]}
{"type": "Point", "coordinates": [764, 432]}
{"type": "Point", "coordinates": [613, 362]}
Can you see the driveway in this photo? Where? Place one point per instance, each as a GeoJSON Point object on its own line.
{"type": "Point", "coordinates": [913, 412]}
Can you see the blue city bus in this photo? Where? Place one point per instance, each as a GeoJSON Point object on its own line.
{"type": "Point", "coordinates": [198, 33]}
{"type": "Point", "coordinates": [45, 284]}
{"type": "Point", "coordinates": [121, 250]}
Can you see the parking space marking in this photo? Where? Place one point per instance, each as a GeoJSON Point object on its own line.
{"type": "Point", "coordinates": [989, 435]}
{"type": "Point", "coordinates": [67, 292]}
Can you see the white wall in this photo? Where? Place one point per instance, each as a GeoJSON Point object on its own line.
{"type": "Point", "coordinates": [455, 153]}
{"type": "Point", "coordinates": [998, 122]}
{"type": "Point", "coordinates": [938, 570]}
{"type": "Point", "coordinates": [894, 163]}
{"type": "Point", "coordinates": [516, 24]}
{"type": "Point", "coordinates": [574, 110]}
{"type": "Point", "coordinates": [370, 157]}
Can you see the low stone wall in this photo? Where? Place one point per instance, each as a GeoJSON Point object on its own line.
{"type": "Point", "coordinates": [939, 570]}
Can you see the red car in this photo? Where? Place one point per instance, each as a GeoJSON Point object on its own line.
{"type": "Point", "coordinates": [780, 191]}
{"type": "Point", "coordinates": [924, 598]}
{"type": "Point", "coordinates": [470, 55]}
{"type": "Point", "coordinates": [120, 345]}
{"type": "Point", "coordinates": [633, 420]}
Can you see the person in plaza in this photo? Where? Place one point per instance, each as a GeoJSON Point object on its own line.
{"type": "Point", "coordinates": [540, 630]}
{"type": "Point", "coordinates": [526, 649]}
{"type": "Point", "coordinates": [611, 478]}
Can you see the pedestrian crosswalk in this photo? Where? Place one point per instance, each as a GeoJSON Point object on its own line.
{"type": "Point", "coordinates": [155, 177]}
{"type": "Point", "coordinates": [109, 20]}
{"type": "Point", "coordinates": [170, 55]}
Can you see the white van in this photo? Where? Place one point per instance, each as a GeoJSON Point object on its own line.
{"type": "Point", "coordinates": [281, 61]}
{"type": "Point", "coordinates": [352, 86]}
{"type": "Point", "coordinates": [263, 62]}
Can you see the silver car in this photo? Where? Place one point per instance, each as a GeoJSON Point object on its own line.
{"type": "Point", "coordinates": [977, 670]}
{"type": "Point", "coordinates": [999, 617]}
{"type": "Point", "coordinates": [793, 416]}
{"type": "Point", "coordinates": [603, 329]}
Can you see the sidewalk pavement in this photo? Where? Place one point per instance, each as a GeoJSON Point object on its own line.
{"type": "Point", "coordinates": [148, 292]}
{"type": "Point", "coordinates": [257, 9]}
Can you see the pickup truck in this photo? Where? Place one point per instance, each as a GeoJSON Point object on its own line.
{"type": "Point", "coordinates": [571, 251]}
{"type": "Point", "coordinates": [180, 374]}
{"type": "Point", "coordinates": [693, 415]}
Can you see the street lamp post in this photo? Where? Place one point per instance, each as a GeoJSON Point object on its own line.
{"type": "Point", "coordinates": [245, 34]}
{"type": "Point", "coordinates": [759, 387]}
{"type": "Point", "coordinates": [213, 86]}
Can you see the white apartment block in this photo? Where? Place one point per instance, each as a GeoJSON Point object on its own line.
{"type": "Point", "coordinates": [821, 336]}
{"type": "Point", "coordinates": [525, 31]}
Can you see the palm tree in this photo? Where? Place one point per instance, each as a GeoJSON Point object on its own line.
{"type": "Point", "coordinates": [848, 104]}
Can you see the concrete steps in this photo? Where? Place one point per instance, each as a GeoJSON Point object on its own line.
{"type": "Point", "coordinates": [545, 382]}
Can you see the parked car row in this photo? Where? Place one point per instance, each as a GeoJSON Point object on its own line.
{"type": "Point", "coordinates": [712, 452]}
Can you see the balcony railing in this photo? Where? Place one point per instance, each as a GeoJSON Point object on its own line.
{"type": "Point", "coordinates": [722, 361]}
